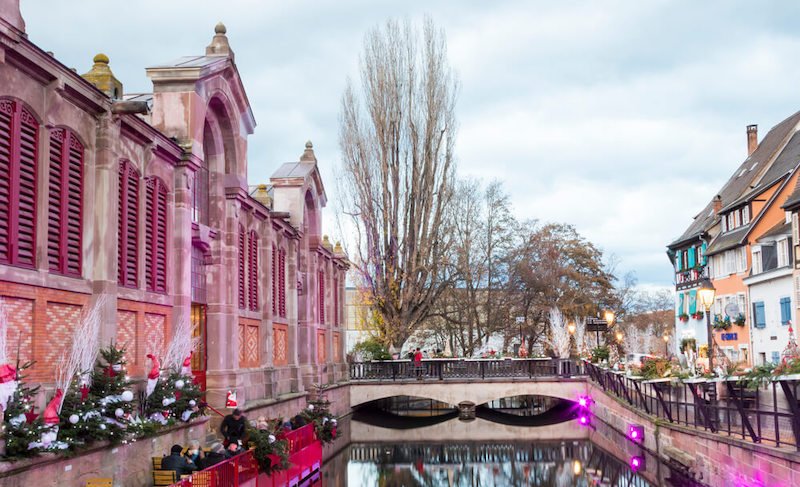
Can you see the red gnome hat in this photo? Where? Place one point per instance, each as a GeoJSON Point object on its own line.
{"type": "Point", "coordinates": [50, 415]}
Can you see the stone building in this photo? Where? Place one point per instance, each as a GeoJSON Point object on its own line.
{"type": "Point", "coordinates": [144, 198]}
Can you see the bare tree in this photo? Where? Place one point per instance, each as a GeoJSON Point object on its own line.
{"type": "Point", "coordinates": [397, 131]}
{"type": "Point", "coordinates": [558, 338]}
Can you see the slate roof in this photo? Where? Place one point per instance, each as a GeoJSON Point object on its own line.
{"type": "Point", "coordinates": [749, 173]}
{"type": "Point", "coordinates": [782, 228]}
{"type": "Point", "coordinates": [728, 240]}
{"type": "Point", "coordinates": [794, 199]}
{"type": "Point", "coordinates": [293, 170]}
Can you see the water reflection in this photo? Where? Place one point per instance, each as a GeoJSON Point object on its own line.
{"type": "Point", "coordinates": [573, 463]}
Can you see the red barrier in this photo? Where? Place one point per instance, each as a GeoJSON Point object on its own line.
{"type": "Point", "coordinates": [305, 457]}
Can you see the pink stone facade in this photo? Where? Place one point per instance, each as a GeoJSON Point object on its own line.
{"type": "Point", "coordinates": [247, 264]}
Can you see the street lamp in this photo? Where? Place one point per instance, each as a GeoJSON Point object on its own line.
{"type": "Point", "coordinates": [619, 337]}
{"type": "Point", "coordinates": [608, 315]}
{"type": "Point", "coordinates": [666, 345]}
{"type": "Point", "coordinates": [705, 294]}
{"type": "Point", "coordinates": [571, 328]}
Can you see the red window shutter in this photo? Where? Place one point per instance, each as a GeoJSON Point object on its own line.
{"type": "Point", "coordinates": [242, 300]}
{"type": "Point", "coordinates": [128, 231]}
{"type": "Point", "coordinates": [65, 196]}
{"type": "Point", "coordinates": [282, 283]}
{"type": "Point", "coordinates": [274, 281]}
{"type": "Point", "coordinates": [321, 298]}
{"type": "Point", "coordinates": [156, 235]}
{"type": "Point", "coordinates": [19, 135]}
{"type": "Point", "coordinates": [253, 271]}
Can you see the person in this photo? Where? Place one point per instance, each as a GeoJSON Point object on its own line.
{"type": "Point", "coordinates": [298, 422]}
{"type": "Point", "coordinates": [213, 457]}
{"type": "Point", "coordinates": [234, 448]}
{"type": "Point", "coordinates": [234, 428]}
{"type": "Point", "coordinates": [194, 452]}
{"type": "Point", "coordinates": [177, 462]}
{"type": "Point", "coordinates": [418, 362]}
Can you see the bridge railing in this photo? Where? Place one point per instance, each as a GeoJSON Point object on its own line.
{"type": "Point", "coordinates": [770, 414]}
{"type": "Point", "coordinates": [443, 369]}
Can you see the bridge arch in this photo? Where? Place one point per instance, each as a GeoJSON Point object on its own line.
{"type": "Point", "coordinates": [456, 392]}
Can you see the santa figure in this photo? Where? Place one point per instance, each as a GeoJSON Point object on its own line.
{"type": "Point", "coordinates": [8, 384]}
{"type": "Point", "coordinates": [152, 377]}
{"type": "Point", "coordinates": [186, 369]}
{"type": "Point", "coordinates": [50, 418]}
{"type": "Point", "coordinates": [230, 400]}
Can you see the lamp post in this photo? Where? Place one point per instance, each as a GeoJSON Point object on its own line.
{"type": "Point", "coordinates": [666, 346]}
{"type": "Point", "coordinates": [608, 315]}
{"type": "Point", "coordinates": [571, 329]}
{"type": "Point", "coordinates": [619, 337]}
{"type": "Point", "coordinates": [705, 294]}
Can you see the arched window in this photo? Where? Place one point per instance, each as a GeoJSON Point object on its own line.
{"type": "Point", "coordinates": [252, 271]}
{"type": "Point", "coordinates": [156, 235]}
{"type": "Point", "coordinates": [19, 137]}
{"type": "Point", "coordinates": [128, 231]}
{"type": "Point", "coordinates": [242, 255]}
{"type": "Point", "coordinates": [65, 196]}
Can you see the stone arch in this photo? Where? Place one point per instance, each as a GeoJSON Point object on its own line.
{"type": "Point", "coordinates": [312, 225]}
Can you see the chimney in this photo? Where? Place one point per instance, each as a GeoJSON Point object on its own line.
{"type": "Point", "coordinates": [9, 12]}
{"type": "Point", "coordinates": [717, 204]}
{"type": "Point", "coordinates": [752, 138]}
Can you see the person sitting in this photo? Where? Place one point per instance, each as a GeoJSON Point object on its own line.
{"type": "Point", "coordinates": [298, 422]}
{"type": "Point", "coordinates": [194, 452]}
{"type": "Point", "coordinates": [234, 428]}
{"type": "Point", "coordinates": [233, 450]}
{"type": "Point", "coordinates": [213, 457]}
{"type": "Point", "coordinates": [177, 462]}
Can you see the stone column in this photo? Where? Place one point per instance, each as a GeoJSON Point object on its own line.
{"type": "Point", "coordinates": [181, 244]}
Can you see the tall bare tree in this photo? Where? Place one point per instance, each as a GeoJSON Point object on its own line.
{"type": "Point", "coordinates": [397, 131]}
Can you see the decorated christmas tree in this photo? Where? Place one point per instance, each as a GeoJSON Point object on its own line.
{"type": "Point", "coordinates": [80, 418]}
{"type": "Point", "coordinates": [176, 397]}
{"type": "Point", "coordinates": [21, 427]}
{"type": "Point", "coordinates": [325, 423]}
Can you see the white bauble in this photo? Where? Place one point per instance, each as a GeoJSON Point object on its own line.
{"type": "Point", "coordinates": [165, 402]}
{"type": "Point", "coordinates": [271, 438]}
{"type": "Point", "coordinates": [116, 367]}
{"type": "Point", "coordinates": [74, 418]}
{"type": "Point", "coordinates": [310, 407]}
{"type": "Point", "coordinates": [324, 420]}
{"type": "Point", "coordinates": [334, 422]}
{"type": "Point", "coordinates": [179, 384]}
{"type": "Point", "coordinates": [126, 396]}
{"type": "Point", "coordinates": [102, 426]}
{"type": "Point", "coordinates": [192, 403]}
{"type": "Point", "coordinates": [119, 412]}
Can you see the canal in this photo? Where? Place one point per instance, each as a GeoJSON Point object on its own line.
{"type": "Point", "coordinates": [409, 443]}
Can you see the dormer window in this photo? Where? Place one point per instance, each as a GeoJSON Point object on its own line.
{"type": "Point", "coordinates": [735, 219]}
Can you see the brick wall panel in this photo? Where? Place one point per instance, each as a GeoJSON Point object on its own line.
{"type": "Point", "coordinates": [20, 328]}
{"type": "Point", "coordinates": [62, 318]}
{"type": "Point", "coordinates": [154, 333]}
{"type": "Point", "coordinates": [126, 337]}
{"type": "Point", "coordinates": [280, 336]}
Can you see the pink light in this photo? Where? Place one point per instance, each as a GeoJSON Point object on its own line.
{"type": "Point", "coordinates": [634, 434]}
{"type": "Point", "coordinates": [583, 419]}
{"type": "Point", "coordinates": [584, 401]}
{"type": "Point", "coordinates": [637, 463]}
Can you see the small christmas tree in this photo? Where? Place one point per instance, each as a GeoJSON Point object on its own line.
{"type": "Point", "coordinates": [80, 418]}
{"type": "Point", "coordinates": [325, 423]}
{"type": "Point", "coordinates": [176, 397]}
{"type": "Point", "coordinates": [21, 425]}
{"type": "Point", "coordinates": [112, 391]}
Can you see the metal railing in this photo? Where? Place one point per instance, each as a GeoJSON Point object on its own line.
{"type": "Point", "coordinates": [443, 369]}
{"type": "Point", "coordinates": [768, 415]}
{"type": "Point", "coordinates": [305, 458]}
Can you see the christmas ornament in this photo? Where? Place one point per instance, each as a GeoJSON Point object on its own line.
{"type": "Point", "coordinates": [192, 403]}
{"type": "Point", "coordinates": [84, 392]}
{"type": "Point", "coordinates": [310, 407]}
{"type": "Point", "coordinates": [119, 412]}
{"type": "Point", "coordinates": [102, 427]}
{"type": "Point", "coordinates": [126, 396]}
{"type": "Point", "coordinates": [116, 367]}
{"type": "Point", "coordinates": [50, 415]}
{"type": "Point", "coordinates": [74, 418]}
{"type": "Point", "coordinates": [179, 384]}
{"type": "Point", "coordinates": [271, 438]}
{"type": "Point", "coordinates": [186, 369]}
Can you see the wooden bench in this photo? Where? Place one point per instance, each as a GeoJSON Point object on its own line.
{"type": "Point", "coordinates": [163, 478]}
{"type": "Point", "coordinates": [100, 482]}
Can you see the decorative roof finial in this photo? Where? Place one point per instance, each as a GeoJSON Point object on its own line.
{"type": "Point", "coordinates": [219, 44]}
{"type": "Point", "coordinates": [308, 154]}
{"type": "Point", "coordinates": [220, 28]}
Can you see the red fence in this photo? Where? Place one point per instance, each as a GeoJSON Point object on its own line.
{"type": "Point", "coordinates": [305, 457]}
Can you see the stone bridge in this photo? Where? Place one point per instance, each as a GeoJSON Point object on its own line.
{"type": "Point", "coordinates": [453, 392]}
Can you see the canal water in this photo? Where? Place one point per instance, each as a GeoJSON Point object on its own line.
{"type": "Point", "coordinates": [454, 453]}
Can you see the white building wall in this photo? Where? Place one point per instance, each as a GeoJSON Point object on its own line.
{"type": "Point", "coordinates": [769, 288]}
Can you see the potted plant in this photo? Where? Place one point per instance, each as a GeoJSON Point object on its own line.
{"type": "Point", "coordinates": [699, 315]}
{"type": "Point", "coordinates": [722, 323]}
{"type": "Point", "coordinates": [739, 319]}
{"type": "Point", "coordinates": [683, 317]}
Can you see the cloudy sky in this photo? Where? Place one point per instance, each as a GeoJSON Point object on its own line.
{"type": "Point", "coordinates": [620, 117]}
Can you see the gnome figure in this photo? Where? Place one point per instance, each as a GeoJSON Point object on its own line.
{"type": "Point", "coordinates": [152, 377]}
{"type": "Point", "coordinates": [186, 369]}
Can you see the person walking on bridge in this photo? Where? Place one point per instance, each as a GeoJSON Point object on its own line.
{"type": "Point", "coordinates": [418, 362]}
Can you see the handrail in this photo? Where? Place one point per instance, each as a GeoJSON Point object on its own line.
{"type": "Point", "coordinates": [305, 455]}
{"type": "Point", "coordinates": [442, 369]}
{"type": "Point", "coordinates": [723, 406]}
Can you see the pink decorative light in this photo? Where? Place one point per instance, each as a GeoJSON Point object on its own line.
{"type": "Point", "coordinates": [637, 463]}
{"type": "Point", "coordinates": [636, 433]}
{"type": "Point", "coordinates": [584, 401]}
{"type": "Point", "coordinates": [583, 419]}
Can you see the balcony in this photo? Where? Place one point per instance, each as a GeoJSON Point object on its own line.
{"type": "Point", "coordinates": [689, 278]}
